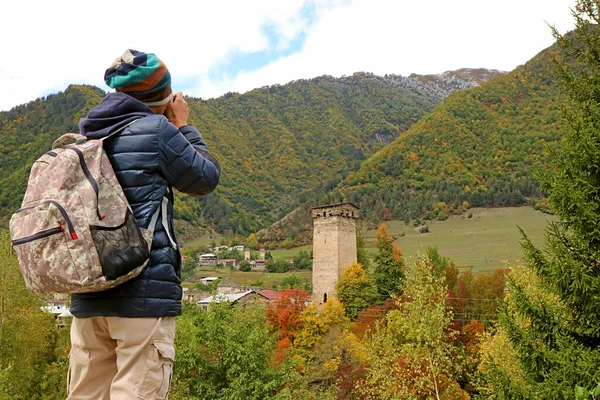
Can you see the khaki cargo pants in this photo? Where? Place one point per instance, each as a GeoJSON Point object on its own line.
{"type": "Point", "coordinates": [115, 358]}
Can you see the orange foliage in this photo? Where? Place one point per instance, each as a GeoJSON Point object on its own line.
{"type": "Point", "coordinates": [367, 319]}
{"type": "Point", "coordinates": [346, 379]}
{"type": "Point", "coordinates": [285, 314]}
{"type": "Point", "coordinates": [281, 353]}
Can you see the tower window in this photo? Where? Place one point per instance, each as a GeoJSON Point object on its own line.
{"type": "Point", "coordinates": [324, 298]}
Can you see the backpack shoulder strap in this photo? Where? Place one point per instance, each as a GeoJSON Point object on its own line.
{"type": "Point", "coordinates": [121, 129]}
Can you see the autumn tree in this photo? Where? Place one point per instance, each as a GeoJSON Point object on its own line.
{"type": "Point", "coordinates": [411, 358]}
{"type": "Point", "coordinates": [225, 353]}
{"type": "Point", "coordinates": [284, 315]}
{"type": "Point", "coordinates": [556, 331]}
{"type": "Point", "coordinates": [325, 344]}
{"type": "Point", "coordinates": [356, 290]}
{"type": "Point", "coordinates": [389, 265]}
{"type": "Point", "coordinates": [316, 322]}
{"type": "Point", "coordinates": [487, 292]}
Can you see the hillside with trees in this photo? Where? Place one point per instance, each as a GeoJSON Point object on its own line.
{"type": "Point", "coordinates": [274, 143]}
{"type": "Point", "coordinates": [478, 146]}
{"type": "Point", "coordinates": [27, 131]}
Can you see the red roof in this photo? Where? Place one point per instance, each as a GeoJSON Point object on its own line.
{"type": "Point", "coordinates": [270, 294]}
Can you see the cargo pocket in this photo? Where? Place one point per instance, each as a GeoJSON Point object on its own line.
{"type": "Point", "coordinates": [157, 380]}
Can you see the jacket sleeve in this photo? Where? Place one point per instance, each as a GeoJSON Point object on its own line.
{"type": "Point", "coordinates": [185, 161]}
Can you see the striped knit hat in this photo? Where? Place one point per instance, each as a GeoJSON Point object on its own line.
{"type": "Point", "coordinates": [140, 75]}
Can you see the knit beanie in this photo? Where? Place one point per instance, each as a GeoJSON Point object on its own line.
{"type": "Point", "coordinates": [140, 75]}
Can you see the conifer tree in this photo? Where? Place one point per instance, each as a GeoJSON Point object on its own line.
{"type": "Point", "coordinates": [556, 331]}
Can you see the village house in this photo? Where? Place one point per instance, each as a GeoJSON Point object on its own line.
{"type": "Point", "coordinates": [228, 262]}
{"type": "Point", "coordinates": [259, 265]}
{"type": "Point", "coordinates": [270, 295]}
{"type": "Point", "coordinates": [209, 279]}
{"type": "Point", "coordinates": [241, 298]}
{"type": "Point", "coordinates": [208, 259]}
{"type": "Point", "coordinates": [193, 295]}
{"type": "Point", "coordinates": [60, 311]}
{"type": "Point", "coordinates": [227, 286]}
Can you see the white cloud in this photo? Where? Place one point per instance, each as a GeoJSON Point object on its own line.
{"type": "Point", "coordinates": [423, 37]}
{"type": "Point", "coordinates": [48, 45]}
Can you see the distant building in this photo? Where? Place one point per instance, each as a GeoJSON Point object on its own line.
{"type": "Point", "coordinates": [60, 311]}
{"type": "Point", "coordinates": [208, 259]}
{"type": "Point", "coordinates": [227, 286]}
{"type": "Point", "coordinates": [269, 294]}
{"type": "Point", "coordinates": [209, 279]}
{"type": "Point", "coordinates": [226, 262]}
{"type": "Point", "coordinates": [242, 298]}
{"type": "Point", "coordinates": [259, 265]}
{"type": "Point", "coordinates": [238, 248]}
{"type": "Point", "coordinates": [193, 295]}
{"type": "Point", "coordinates": [334, 246]}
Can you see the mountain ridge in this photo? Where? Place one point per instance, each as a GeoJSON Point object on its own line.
{"type": "Point", "coordinates": [279, 145]}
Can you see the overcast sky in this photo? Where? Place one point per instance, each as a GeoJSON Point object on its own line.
{"type": "Point", "coordinates": [218, 46]}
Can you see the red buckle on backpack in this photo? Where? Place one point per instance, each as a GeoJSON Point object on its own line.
{"type": "Point", "coordinates": [74, 236]}
{"type": "Point", "coordinates": [102, 217]}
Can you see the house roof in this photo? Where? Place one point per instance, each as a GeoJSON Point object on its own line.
{"type": "Point", "coordinates": [228, 283]}
{"type": "Point", "coordinates": [209, 279]}
{"type": "Point", "coordinates": [229, 298]}
{"type": "Point", "coordinates": [207, 255]}
{"type": "Point", "coordinates": [270, 294]}
{"type": "Point", "coordinates": [55, 309]}
{"type": "Point", "coordinates": [336, 205]}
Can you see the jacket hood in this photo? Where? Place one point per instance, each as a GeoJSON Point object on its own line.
{"type": "Point", "coordinates": [115, 111]}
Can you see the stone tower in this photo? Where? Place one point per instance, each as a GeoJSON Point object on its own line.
{"type": "Point", "coordinates": [334, 246]}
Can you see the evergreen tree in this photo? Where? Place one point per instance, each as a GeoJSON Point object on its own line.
{"type": "Point", "coordinates": [557, 333]}
{"type": "Point", "coordinates": [389, 265]}
{"type": "Point", "coordinates": [362, 256]}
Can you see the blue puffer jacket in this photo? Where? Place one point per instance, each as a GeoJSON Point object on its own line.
{"type": "Point", "coordinates": [149, 156]}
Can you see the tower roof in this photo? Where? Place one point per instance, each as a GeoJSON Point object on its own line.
{"type": "Point", "coordinates": [336, 205]}
{"type": "Point", "coordinates": [348, 210]}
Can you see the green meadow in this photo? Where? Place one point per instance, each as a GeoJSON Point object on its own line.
{"type": "Point", "coordinates": [486, 241]}
{"type": "Point", "coordinates": [268, 279]}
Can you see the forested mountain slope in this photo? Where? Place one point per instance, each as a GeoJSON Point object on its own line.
{"type": "Point", "coordinates": [273, 143]}
{"type": "Point", "coordinates": [28, 130]}
{"type": "Point", "coordinates": [479, 146]}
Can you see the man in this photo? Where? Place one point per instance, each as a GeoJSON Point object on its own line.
{"type": "Point", "coordinates": [122, 338]}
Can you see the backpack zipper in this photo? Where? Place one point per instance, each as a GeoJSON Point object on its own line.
{"type": "Point", "coordinates": [89, 177]}
{"type": "Point", "coordinates": [62, 211]}
{"type": "Point", "coordinates": [39, 235]}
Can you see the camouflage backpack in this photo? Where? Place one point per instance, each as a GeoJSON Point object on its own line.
{"type": "Point", "coordinates": [75, 231]}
